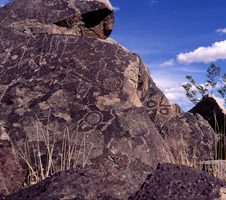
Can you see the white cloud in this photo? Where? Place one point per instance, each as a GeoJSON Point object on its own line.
{"type": "Point", "coordinates": [167, 63]}
{"type": "Point", "coordinates": [221, 30]}
{"type": "Point", "coordinates": [172, 88]}
{"type": "Point", "coordinates": [173, 91]}
{"type": "Point", "coordinates": [116, 8]}
{"type": "Point", "coordinates": [217, 51]}
{"type": "Point", "coordinates": [153, 2]}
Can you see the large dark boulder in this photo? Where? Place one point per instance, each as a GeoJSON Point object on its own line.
{"type": "Point", "coordinates": [82, 184]}
{"type": "Point", "coordinates": [178, 182]}
{"type": "Point", "coordinates": [168, 182]}
{"type": "Point", "coordinates": [69, 100]}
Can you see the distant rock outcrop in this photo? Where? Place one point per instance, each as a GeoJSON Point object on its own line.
{"type": "Point", "coordinates": [215, 113]}
{"type": "Point", "coordinates": [178, 182]}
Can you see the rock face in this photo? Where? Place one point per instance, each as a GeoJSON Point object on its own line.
{"type": "Point", "coordinates": [93, 18]}
{"type": "Point", "coordinates": [69, 100]}
{"type": "Point", "coordinates": [180, 182]}
{"type": "Point", "coordinates": [9, 166]}
{"type": "Point", "coordinates": [158, 106]}
{"type": "Point", "coordinates": [190, 138]}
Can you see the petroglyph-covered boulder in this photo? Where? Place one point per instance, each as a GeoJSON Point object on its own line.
{"type": "Point", "coordinates": [68, 100]}
{"type": "Point", "coordinates": [180, 182]}
{"type": "Point", "coordinates": [71, 97]}
{"type": "Point", "coordinates": [190, 138]}
{"type": "Point", "coordinates": [92, 18]}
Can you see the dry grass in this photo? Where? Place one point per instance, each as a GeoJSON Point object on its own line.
{"type": "Point", "coordinates": [3, 185]}
{"type": "Point", "coordinates": [69, 152]}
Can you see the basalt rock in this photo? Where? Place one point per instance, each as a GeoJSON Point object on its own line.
{"type": "Point", "coordinates": [159, 108]}
{"type": "Point", "coordinates": [167, 182]}
{"type": "Point", "coordinates": [93, 18]}
{"type": "Point", "coordinates": [86, 184]}
{"type": "Point", "coordinates": [180, 182]}
{"type": "Point", "coordinates": [190, 138]}
{"type": "Point", "coordinates": [76, 100]}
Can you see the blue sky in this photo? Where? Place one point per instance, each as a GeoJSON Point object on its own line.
{"type": "Point", "coordinates": [3, 2]}
{"type": "Point", "coordinates": [168, 35]}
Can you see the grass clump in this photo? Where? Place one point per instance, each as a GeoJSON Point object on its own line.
{"type": "Point", "coordinates": [47, 156]}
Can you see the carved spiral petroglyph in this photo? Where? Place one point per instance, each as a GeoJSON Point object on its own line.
{"type": "Point", "coordinates": [93, 118]}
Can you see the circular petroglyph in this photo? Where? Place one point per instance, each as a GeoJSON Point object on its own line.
{"type": "Point", "coordinates": [14, 57]}
{"type": "Point", "coordinates": [93, 118]}
{"type": "Point", "coordinates": [151, 104]}
{"type": "Point", "coordinates": [164, 111]}
{"type": "Point", "coordinates": [111, 83]}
